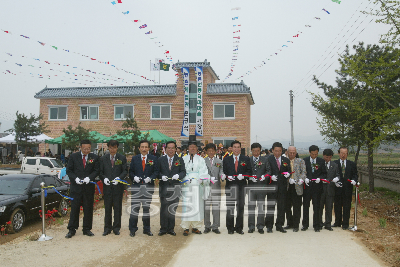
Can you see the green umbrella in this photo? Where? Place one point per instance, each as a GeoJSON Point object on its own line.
{"type": "Point", "coordinates": [94, 137]}
{"type": "Point", "coordinates": [153, 134]}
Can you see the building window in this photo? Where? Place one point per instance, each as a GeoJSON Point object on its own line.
{"type": "Point", "coordinates": [160, 111]}
{"type": "Point", "coordinates": [123, 112]}
{"type": "Point", "coordinates": [226, 141]}
{"type": "Point", "coordinates": [224, 111]}
{"type": "Point", "coordinates": [89, 112]}
{"type": "Point", "coordinates": [192, 102]}
{"type": "Point", "coordinates": [58, 112]}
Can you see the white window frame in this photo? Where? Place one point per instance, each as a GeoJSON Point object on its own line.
{"type": "Point", "coordinates": [160, 104]}
{"type": "Point", "coordinates": [58, 106]}
{"type": "Point", "coordinates": [89, 105]}
{"type": "Point", "coordinates": [124, 105]}
{"type": "Point", "coordinates": [225, 103]}
{"type": "Point", "coordinates": [223, 139]}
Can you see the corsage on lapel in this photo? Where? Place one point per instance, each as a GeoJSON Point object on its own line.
{"type": "Point", "coordinates": [243, 163]}
{"type": "Point", "coordinates": [150, 162]}
{"type": "Point", "coordinates": [118, 162]}
{"type": "Point", "coordinates": [177, 163]}
{"type": "Point", "coordinates": [259, 164]}
{"type": "Point", "coordinates": [218, 165]}
{"type": "Point", "coordinates": [284, 164]}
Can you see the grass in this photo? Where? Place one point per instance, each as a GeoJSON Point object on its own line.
{"type": "Point", "coordinates": [365, 212]}
{"type": "Point", "coordinates": [382, 222]}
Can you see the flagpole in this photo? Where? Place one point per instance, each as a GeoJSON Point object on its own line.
{"type": "Point", "coordinates": [159, 70]}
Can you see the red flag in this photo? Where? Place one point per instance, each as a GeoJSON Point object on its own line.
{"type": "Point", "coordinates": [135, 20]}
{"type": "Point", "coordinates": [6, 31]}
{"type": "Point", "coordinates": [166, 52]}
{"type": "Point", "coordinates": [119, 1]}
{"type": "Point", "coordinates": [92, 58]}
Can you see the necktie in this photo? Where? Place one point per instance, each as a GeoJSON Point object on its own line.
{"type": "Point", "coordinates": [143, 162]}
{"type": "Point", "coordinates": [313, 165]}
{"type": "Point", "coordinates": [112, 161]}
{"type": "Point", "coordinates": [84, 161]}
{"type": "Point", "coordinates": [255, 161]}
{"type": "Point", "coordinates": [291, 167]}
{"type": "Point", "coordinates": [326, 165]}
{"type": "Point", "coordinates": [170, 163]}
{"type": "Point", "coordinates": [236, 164]}
{"type": "Point", "coordinates": [343, 167]}
{"type": "Point", "coordinates": [211, 161]}
{"type": "Point", "coordinates": [278, 163]}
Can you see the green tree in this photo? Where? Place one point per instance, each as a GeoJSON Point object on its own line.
{"type": "Point", "coordinates": [131, 134]}
{"type": "Point", "coordinates": [73, 137]}
{"type": "Point", "coordinates": [26, 126]}
{"type": "Point", "coordinates": [369, 103]}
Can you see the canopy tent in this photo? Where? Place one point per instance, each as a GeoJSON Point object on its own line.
{"type": "Point", "coordinates": [94, 137]}
{"type": "Point", "coordinates": [153, 134]}
{"type": "Point", "coordinates": [10, 139]}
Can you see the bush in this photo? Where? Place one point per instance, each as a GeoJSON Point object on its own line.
{"type": "Point", "coordinates": [365, 212]}
{"type": "Point", "coordinates": [382, 222]}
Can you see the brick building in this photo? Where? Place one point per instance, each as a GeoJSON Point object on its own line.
{"type": "Point", "coordinates": [226, 107]}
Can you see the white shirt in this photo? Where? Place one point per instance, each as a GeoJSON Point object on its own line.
{"type": "Point", "coordinates": [327, 164]}
{"type": "Point", "coordinates": [234, 158]}
{"type": "Point", "coordinates": [280, 162]}
{"type": "Point", "coordinates": [111, 157]}
{"type": "Point", "coordinates": [313, 161]}
{"type": "Point", "coordinates": [343, 162]}
{"type": "Point", "coordinates": [145, 157]}
{"type": "Point", "coordinates": [86, 156]}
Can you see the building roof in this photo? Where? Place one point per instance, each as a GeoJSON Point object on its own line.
{"type": "Point", "coordinates": [230, 88]}
{"type": "Point", "coordinates": [204, 64]}
{"type": "Point", "coordinates": [108, 91]}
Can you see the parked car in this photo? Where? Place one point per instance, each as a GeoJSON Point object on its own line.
{"type": "Point", "coordinates": [20, 198]}
{"type": "Point", "coordinates": [37, 165]}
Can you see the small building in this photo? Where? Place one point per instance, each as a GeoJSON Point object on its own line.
{"type": "Point", "coordinates": [225, 107]}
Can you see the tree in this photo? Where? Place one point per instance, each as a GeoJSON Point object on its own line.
{"type": "Point", "coordinates": [371, 103]}
{"type": "Point", "coordinates": [132, 134]}
{"type": "Point", "coordinates": [25, 127]}
{"type": "Point", "coordinates": [73, 137]}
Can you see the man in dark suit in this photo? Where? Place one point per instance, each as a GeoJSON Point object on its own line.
{"type": "Point", "coordinates": [257, 189]}
{"type": "Point", "coordinates": [328, 189]}
{"type": "Point", "coordinates": [83, 167]}
{"type": "Point", "coordinates": [343, 195]}
{"type": "Point", "coordinates": [280, 171]}
{"type": "Point", "coordinates": [171, 170]}
{"type": "Point", "coordinates": [112, 169]}
{"type": "Point", "coordinates": [235, 167]}
{"type": "Point", "coordinates": [316, 171]}
{"type": "Point", "coordinates": [142, 172]}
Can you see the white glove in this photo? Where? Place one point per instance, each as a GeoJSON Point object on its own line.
{"type": "Point", "coordinates": [78, 181]}
{"type": "Point", "coordinates": [164, 178]}
{"type": "Point", "coordinates": [240, 177]}
{"type": "Point", "coordinates": [175, 177]}
{"type": "Point", "coordinates": [213, 179]}
{"type": "Point", "coordinates": [292, 181]}
{"type": "Point", "coordinates": [307, 180]}
{"type": "Point", "coordinates": [147, 180]}
{"type": "Point", "coordinates": [262, 178]}
{"type": "Point", "coordinates": [106, 181]}
{"type": "Point", "coordinates": [223, 176]}
{"type": "Point", "coordinates": [353, 182]}
{"type": "Point", "coordinates": [137, 179]}
{"type": "Point", "coordinates": [115, 181]}
{"type": "Point", "coordinates": [335, 180]}
{"type": "Point", "coordinates": [86, 180]}
{"type": "Point", "coordinates": [230, 178]}
{"type": "Point", "coordinates": [301, 181]}
{"type": "Point", "coordinates": [274, 178]}
{"type": "Point", "coordinates": [317, 180]}
{"type": "Point", "coordinates": [287, 175]}
{"type": "Point", "coordinates": [254, 179]}
{"type": "Point", "coordinates": [338, 184]}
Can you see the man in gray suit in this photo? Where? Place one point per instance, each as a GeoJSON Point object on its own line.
{"type": "Point", "coordinates": [215, 170]}
{"type": "Point", "coordinates": [257, 188]}
{"type": "Point", "coordinates": [328, 193]}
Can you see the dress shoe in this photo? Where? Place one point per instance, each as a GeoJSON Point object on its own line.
{"type": "Point", "coordinates": [231, 232]}
{"type": "Point", "coordinates": [172, 233]}
{"type": "Point", "coordinates": [106, 233]}
{"type": "Point", "coordinates": [304, 228]}
{"type": "Point", "coordinates": [335, 225]}
{"type": "Point", "coordinates": [186, 232]}
{"type": "Point", "coordinates": [269, 230]}
{"type": "Point", "coordinates": [240, 232]}
{"type": "Point", "coordinates": [345, 228]}
{"type": "Point", "coordinates": [261, 231]}
{"type": "Point", "coordinates": [196, 231]}
{"type": "Point", "coordinates": [116, 232]}
{"type": "Point", "coordinates": [329, 228]}
{"type": "Point", "coordinates": [207, 230]}
{"type": "Point", "coordinates": [251, 231]}
{"type": "Point", "coordinates": [287, 227]}
{"type": "Point", "coordinates": [216, 231]}
{"type": "Point", "coordinates": [132, 234]}
{"type": "Point", "coordinates": [280, 229]}
{"type": "Point", "coordinates": [70, 234]}
{"type": "Point", "coordinates": [88, 233]}
{"type": "Point", "coordinates": [295, 230]}
{"type": "Point", "coordinates": [316, 230]}
{"type": "Point", "coordinates": [161, 233]}
{"type": "Point", "coordinates": [149, 233]}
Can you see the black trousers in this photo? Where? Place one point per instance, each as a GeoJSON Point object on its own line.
{"type": "Point", "coordinates": [314, 195]}
{"type": "Point", "coordinates": [113, 200]}
{"type": "Point", "coordinates": [169, 203]}
{"type": "Point", "coordinates": [256, 198]}
{"type": "Point", "coordinates": [293, 200]}
{"type": "Point", "coordinates": [85, 200]}
{"type": "Point", "coordinates": [280, 209]}
{"type": "Point", "coordinates": [141, 196]}
{"type": "Point", "coordinates": [327, 202]}
{"type": "Point", "coordinates": [342, 207]}
{"type": "Point", "coordinates": [235, 197]}
{"type": "Point", "coordinates": [271, 202]}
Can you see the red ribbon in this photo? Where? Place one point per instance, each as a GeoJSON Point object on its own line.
{"type": "Point", "coordinates": [321, 180]}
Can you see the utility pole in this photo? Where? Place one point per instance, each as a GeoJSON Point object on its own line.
{"type": "Point", "coordinates": [291, 118]}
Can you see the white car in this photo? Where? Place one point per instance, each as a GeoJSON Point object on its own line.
{"type": "Point", "coordinates": [41, 165]}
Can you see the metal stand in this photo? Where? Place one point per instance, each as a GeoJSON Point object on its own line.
{"type": "Point", "coordinates": [354, 228]}
{"type": "Point", "coordinates": [43, 237]}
